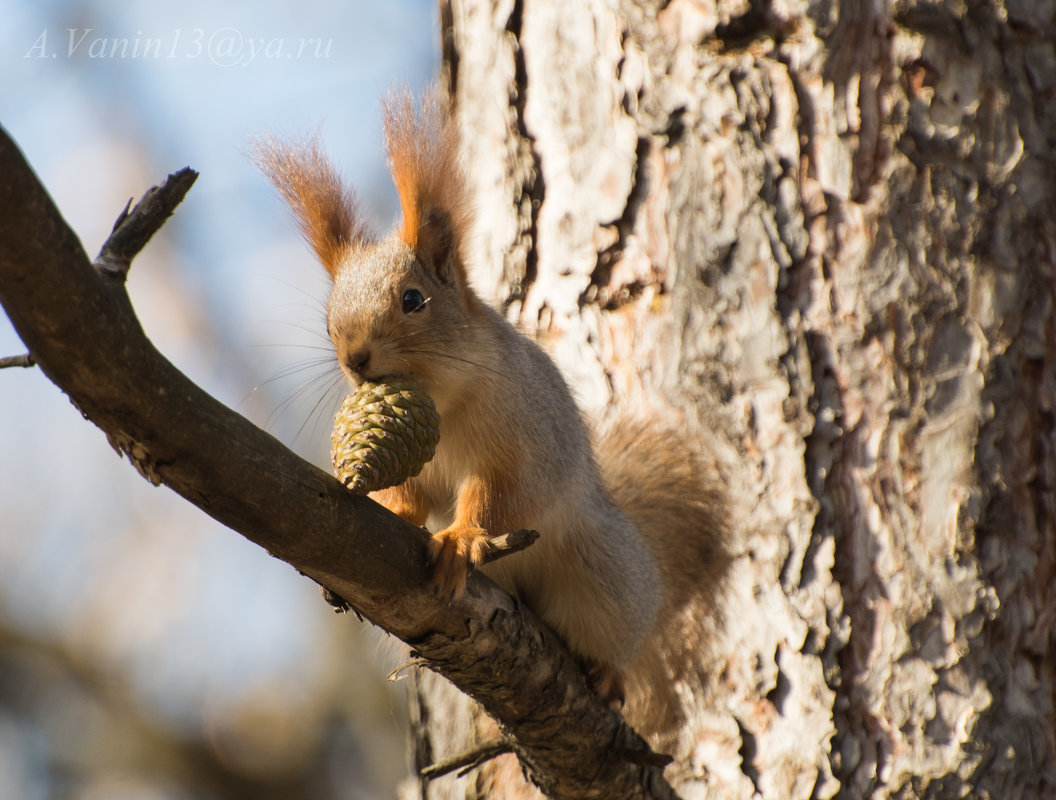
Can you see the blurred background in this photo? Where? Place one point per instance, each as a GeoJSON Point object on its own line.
{"type": "Point", "coordinates": [145, 651]}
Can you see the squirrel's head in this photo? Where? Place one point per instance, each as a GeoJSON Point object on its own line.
{"type": "Point", "coordinates": [398, 304]}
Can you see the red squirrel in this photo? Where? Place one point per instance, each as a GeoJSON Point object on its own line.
{"type": "Point", "coordinates": [631, 525]}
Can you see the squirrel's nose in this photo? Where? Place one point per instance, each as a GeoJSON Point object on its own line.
{"type": "Point", "coordinates": [358, 361]}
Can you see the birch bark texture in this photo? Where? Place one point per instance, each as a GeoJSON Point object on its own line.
{"type": "Point", "coordinates": [823, 235]}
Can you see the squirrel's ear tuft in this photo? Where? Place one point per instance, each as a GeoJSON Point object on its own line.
{"type": "Point", "coordinates": [422, 141]}
{"type": "Point", "coordinates": [325, 210]}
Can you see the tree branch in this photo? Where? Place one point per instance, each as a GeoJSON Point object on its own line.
{"type": "Point", "coordinates": [134, 228]}
{"type": "Point", "coordinates": [508, 544]}
{"type": "Point", "coordinates": [17, 361]}
{"type": "Point", "coordinates": [468, 760]}
{"type": "Point", "coordinates": [83, 333]}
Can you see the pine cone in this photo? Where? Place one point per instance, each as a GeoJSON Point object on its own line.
{"type": "Point", "coordinates": [384, 433]}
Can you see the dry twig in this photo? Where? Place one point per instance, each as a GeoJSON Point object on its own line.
{"type": "Point", "coordinates": [468, 760]}
{"type": "Point", "coordinates": [17, 361]}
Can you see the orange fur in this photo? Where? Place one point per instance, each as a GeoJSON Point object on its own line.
{"type": "Point", "coordinates": [422, 142]}
{"type": "Point", "coordinates": [326, 212]}
{"type": "Point", "coordinates": [482, 511]}
{"type": "Point", "coordinates": [406, 500]}
{"type": "Point", "coordinates": [454, 552]}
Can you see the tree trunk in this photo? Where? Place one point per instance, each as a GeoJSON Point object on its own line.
{"type": "Point", "coordinates": [825, 235]}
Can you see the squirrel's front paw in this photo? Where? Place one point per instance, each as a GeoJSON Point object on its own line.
{"type": "Point", "coordinates": [453, 552]}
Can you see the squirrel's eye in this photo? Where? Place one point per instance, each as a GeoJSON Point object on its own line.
{"type": "Point", "coordinates": [413, 301]}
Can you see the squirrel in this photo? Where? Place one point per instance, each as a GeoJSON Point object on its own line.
{"type": "Point", "coordinates": [631, 522]}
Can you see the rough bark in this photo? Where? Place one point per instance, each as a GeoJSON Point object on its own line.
{"type": "Point", "coordinates": [824, 233]}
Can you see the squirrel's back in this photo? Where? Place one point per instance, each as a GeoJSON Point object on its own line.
{"type": "Point", "coordinates": [675, 498]}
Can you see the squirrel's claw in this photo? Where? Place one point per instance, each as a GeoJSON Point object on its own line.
{"type": "Point", "coordinates": [453, 553]}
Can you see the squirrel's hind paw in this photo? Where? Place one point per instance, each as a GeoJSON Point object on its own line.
{"type": "Point", "coordinates": [607, 681]}
{"type": "Point", "coordinates": [453, 553]}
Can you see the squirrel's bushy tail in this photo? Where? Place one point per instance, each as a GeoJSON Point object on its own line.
{"type": "Point", "coordinates": [678, 504]}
